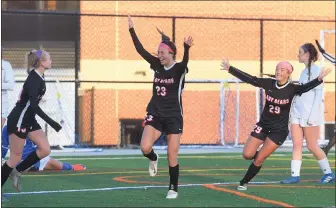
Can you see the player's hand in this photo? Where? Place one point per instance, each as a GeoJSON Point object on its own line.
{"type": "Point", "coordinates": [324, 72]}
{"type": "Point", "coordinates": [130, 22]}
{"type": "Point", "coordinates": [189, 41]}
{"type": "Point", "coordinates": [225, 65]}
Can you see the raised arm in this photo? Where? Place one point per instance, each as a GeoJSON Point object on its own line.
{"type": "Point", "coordinates": [138, 46]}
{"type": "Point", "coordinates": [33, 88]}
{"type": "Point", "coordinates": [188, 42]}
{"type": "Point", "coordinates": [8, 82]}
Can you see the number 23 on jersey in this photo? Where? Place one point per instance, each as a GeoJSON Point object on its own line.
{"type": "Point", "coordinates": [161, 91]}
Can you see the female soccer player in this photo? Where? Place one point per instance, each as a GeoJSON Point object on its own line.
{"type": "Point", "coordinates": [164, 111]}
{"type": "Point", "coordinates": [22, 122]}
{"type": "Point", "coordinates": [7, 79]}
{"type": "Point", "coordinates": [272, 128]}
{"type": "Point", "coordinates": [306, 117]}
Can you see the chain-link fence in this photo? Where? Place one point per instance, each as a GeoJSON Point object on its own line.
{"type": "Point", "coordinates": [98, 67]}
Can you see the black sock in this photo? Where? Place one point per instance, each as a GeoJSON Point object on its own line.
{"type": "Point", "coordinates": [151, 156]}
{"type": "Point", "coordinates": [255, 155]}
{"type": "Point", "coordinates": [330, 144]}
{"type": "Point", "coordinates": [251, 172]}
{"type": "Point", "coordinates": [173, 177]}
{"type": "Point", "coordinates": [5, 171]}
{"type": "Point", "coordinates": [30, 160]}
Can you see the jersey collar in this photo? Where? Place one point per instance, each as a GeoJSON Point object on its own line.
{"type": "Point", "coordinates": [283, 86]}
{"type": "Point", "coordinates": [170, 66]}
{"type": "Point", "coordinates": [41, 75]}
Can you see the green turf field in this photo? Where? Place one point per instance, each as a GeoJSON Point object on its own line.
{"type": "Point", "coordinates": [123, 181]}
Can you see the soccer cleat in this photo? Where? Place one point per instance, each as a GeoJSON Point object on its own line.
{"type": "Point", "coordinates": [153, 166]}
{"type": "Point", "coordinates": [291, 180]}
{"type": "Point", "coordinates": [16, 177]}
{"type": "Point", "coordinates": [327, 178]}
{"type": "Point", "coordinates": [242, 187]}
{"type": "Point", "coordinates": [172, 194]}
{"type": "Point", "coordinates": [78, 167]}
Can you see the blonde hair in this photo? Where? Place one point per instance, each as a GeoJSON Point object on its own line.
{"type": "Point", "coordinates": [34, 58]}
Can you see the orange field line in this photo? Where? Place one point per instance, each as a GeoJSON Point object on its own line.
{"type": "Point", "coordinates": [126, 179]}
{"type": "Point", "coordinates": [249, 196]}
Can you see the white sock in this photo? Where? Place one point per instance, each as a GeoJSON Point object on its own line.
{"type": "Point", "coordinates": [296, 167]}
{"type": "Point", "coordinates": [324, 165]}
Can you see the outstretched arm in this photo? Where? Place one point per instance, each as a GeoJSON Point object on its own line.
{"type": "Point", "coordinates": [308, 86]}
{"type": "Point", "coordinates": [312, 84]}
{"type": "Point", "coordinates": [243, 76]}
{"type": "Point", "coordinates": [138, 46]}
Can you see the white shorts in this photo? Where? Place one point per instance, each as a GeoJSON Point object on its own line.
{"type": "Point", "coordinates": [303, 122]}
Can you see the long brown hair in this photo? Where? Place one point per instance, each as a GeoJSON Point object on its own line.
{"type": "Point", "coordinates": [313, 55]}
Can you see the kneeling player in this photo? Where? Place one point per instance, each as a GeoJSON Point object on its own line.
{"type": "Point", "coordinates": [272, 129]}
{"type": "Point", "coordinates": [47, 163]}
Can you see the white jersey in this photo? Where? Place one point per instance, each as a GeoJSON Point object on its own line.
{"type": "Point", "coordinates": [304, 106]}
{"type": "Point", "coordinates": [7, 83]}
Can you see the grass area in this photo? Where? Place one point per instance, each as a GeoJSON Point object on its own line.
{"type": "Point", "coordinates": [123, 181]}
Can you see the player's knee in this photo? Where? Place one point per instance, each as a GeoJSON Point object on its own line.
{"type": "Point", "coordinates": [297, 144]}
{"type": "Point", "coordinates": [248, 155]}
{"type": "Point", "coordinates": [145, 148]}
{"type": "Point", "coordinates": [43, 151]}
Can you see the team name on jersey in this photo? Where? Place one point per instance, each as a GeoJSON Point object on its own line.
{"type": "Point", "coordinates": [277, 101]}
{"type": "Point", "coordinates": [164, 81]}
